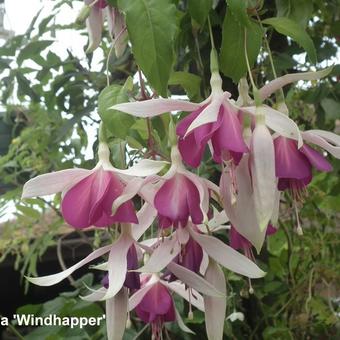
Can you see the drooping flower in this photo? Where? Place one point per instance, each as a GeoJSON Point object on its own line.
{"type": "Point", "coordinates": [132, 279]}
{"type": "Point", "coordinates": [98, 9]}
{"type": "Point", "coordinates": [217, 122]}
{"type": "Point", "coordinates": [176, 200]}
{"type": "Point", "coordinates": [122, 258]}
{"type": "Point", "coordinates": [165, 252]}
{"type": "Point", "coordinates": [190, 257]}
{"type": "Point", "coordinates": [154, 303]}
{"type": "Point", "coordinates": [216, 119]}
{"type": "Point", "coordinates": [262, 167]}
{"type": "Point", "coordinates": [118, 31]}
{"type": "Point", "coordinates": [238, 199]}
{"type": "Point", "coordinates": [177, 196]}
{"type": "Point", "coordinates": [156, 308]}
{"type": "Point", "coordinates": [88, 195]}
{"type": "Point", "coordinates": [238, 242]}
{"type": "Point", "coordinates": [294, 165]}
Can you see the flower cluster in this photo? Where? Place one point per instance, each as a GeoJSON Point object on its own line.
{"type": "Point", "coordinates": [261, 152]}
{"type": "Point", "coordinates": [94, 12]}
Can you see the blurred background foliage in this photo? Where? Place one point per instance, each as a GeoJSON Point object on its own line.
{"type": "Point", "coordinates": [50, 106]}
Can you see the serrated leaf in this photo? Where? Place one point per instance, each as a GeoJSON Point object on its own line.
{"type": "Point", "coordinates": [33, 49]}
{"type": "Point", "coordinates": [118, 123]}
{"type": "Point", "coordinates": [189, 81]}
{"type": "Point", "coordinates": [239, 10]}
{"type": "Point", "coordinates": [199, 10]}
{"type": "Point", "coordinates": [293, 30]}
{"type": "Point", "coordinates": [152, 27]}
{"type": "Point", "coordinates": [232, 56]}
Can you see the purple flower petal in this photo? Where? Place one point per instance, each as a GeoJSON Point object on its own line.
{"type": "Point", "coordinates": [157, 303]}
{"type": "Point", "coordinates": [89, 202]}
{"type": "Point", "coordinates": [289, 161]}
{"type": "Point", "coordinates": [237, 241]}
{"type": "Point", "coordinates": [78, 201]}
{"type": "Point", "coordinates": [316, 159]}
{"type": "Point", "coordinates": [193, 145]}
{"type": "Point", "coordinates": [132, 279]}
{"type": "Point", "coordinates": [176, 200]}
{"type": "Point", "coordinates": [191, 153]}
{"type": "Point", "coordinates": [228, 137]}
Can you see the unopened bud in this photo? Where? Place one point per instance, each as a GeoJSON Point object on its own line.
{"type": "Point", "coordinates": [172, 133]}
{"type": "Point", "coordinates": [128, 323]}
{"type": "Point", "coordinates": [299, 230]}
{"type": "Point", "coordinates": [190, 315]}
{"type": "Point", "coordinates": [213, 61]}
{"type": "Point", "coordinates": [83, 14]}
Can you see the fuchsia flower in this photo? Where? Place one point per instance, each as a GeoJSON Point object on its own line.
{"type": "Point", "coordinates": [214, 120]}
{"type": "Point", "coordinates": [88, 195]}
{"type": "Point", "coordinates": [154, 304]}
{"type": "Point", "coordinates": [166, 253]}
{"type": "Point", "coordinates": [89, 202]}
{"type": "Point", "coordinates": [237, 241]}
{"type": "Point", "coordinates": [156, 307]}
{"type": "Point", "coordinates": [132, 279]}
{"type": "Point", "coordinates": [190, 257]}
{"type": "Point", "coordinates": [294, 165]}
{"type": "Point", "coordinates": [177, 196]}
{"type": "Point", "coordinates": [180, 196]}
{"type": "Point", "coordinates": [239, 202]}
{"type": "Point", "coordinates": [217, 122]}
{"type": "Point", "coordinates": [116, 22]}
{"type": "Point", "coordinates": [122, 258]}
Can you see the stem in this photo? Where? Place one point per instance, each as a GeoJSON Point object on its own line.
{"type": "Point", "coordinates": [257, 98]}
{"type": "Point", "coordinates": [51, 205]}
{"type": "Point", "coordinates": [142, 85]}
{"type": "Point", "coordinates": [247, 60]}
{"type": "Point", "coordinates": [107, 64]}
{"type": "Point", "coordinates": [14, 330]}
{"type": "Point", "coordinates": [102, 133]}
{"type": "Point", "coordinates": [279, 93]}
{"type": "Point", "coordinates": [93, 3]}
{"type": "Point", "coordinates": [109, 55]}
{"type": "Point", "coordinates": [211, 34]}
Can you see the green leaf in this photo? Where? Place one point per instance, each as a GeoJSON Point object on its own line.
{"type": "Point", "coordinates": [44, 23]}
{"type": "Point", "coordinates": [118, 123]}
{"type": "Point", "coordinates": [28, 211]}
{"type": "Point", "coordinates": [331, 108]}
{"type": "Point", "coordinates": [299, 11]}
{"type": "Point", "coordinates": [113, 3]}
{"type": "Point", "coordinates": [33, 49]}
{"type": "Point", "coordinates": [232, 56]}
{"type": "Point", "coordinates": [25, 87]}
{"type": "Point", "coordinates": [152, 27]}
{"type": "Point", "coordinates": [330, 204]}
{"type": "Point", "coordinates": [189, 81]}
{"type": "Point", "coordinates": [293, 30]}
{"type": "Point", "coordinates": [199, 10]}
{"type": "Point", "coordinates": [239, 10]}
